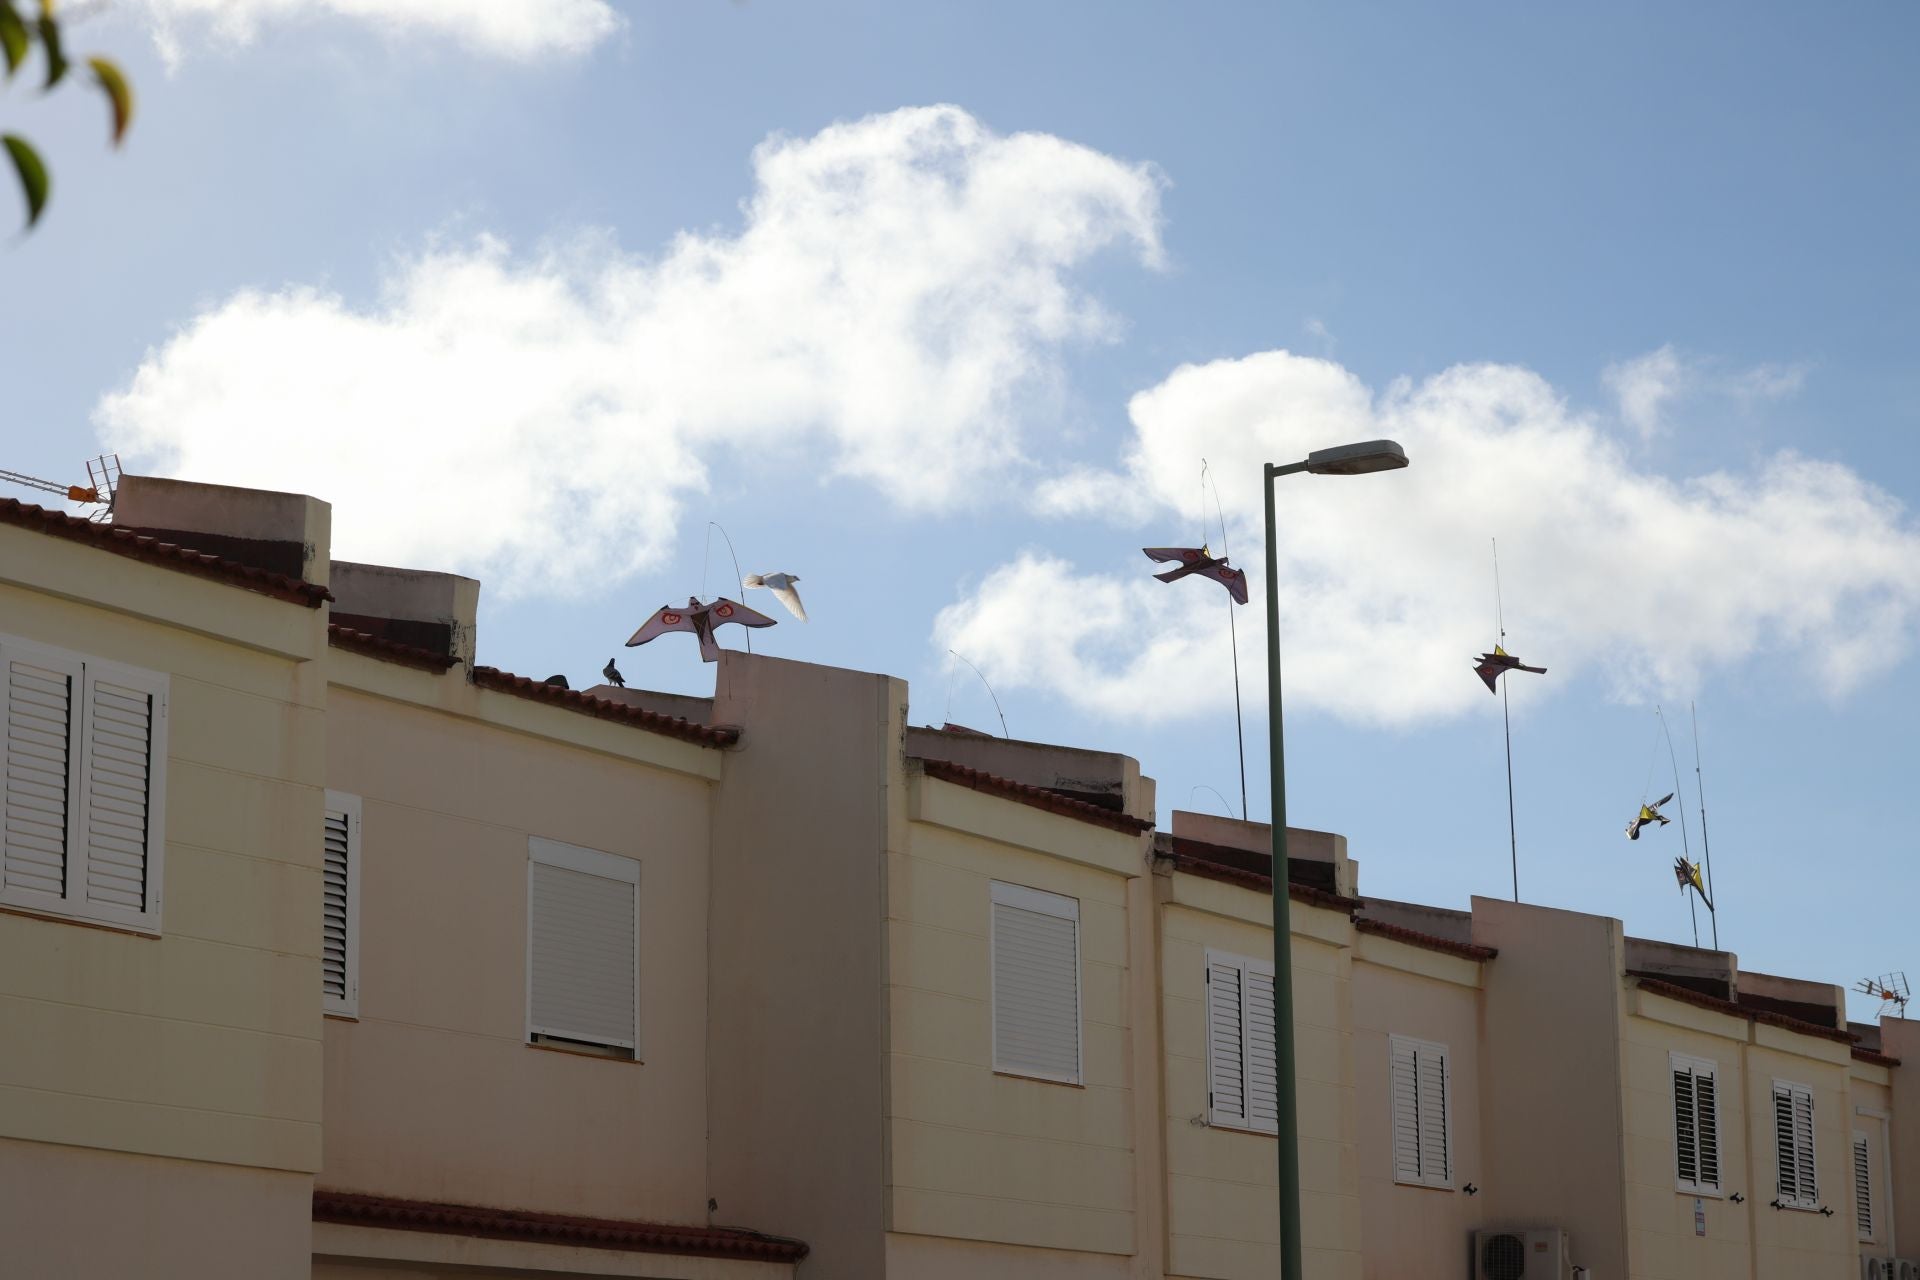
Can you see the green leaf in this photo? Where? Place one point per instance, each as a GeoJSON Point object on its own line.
{"type": "Point", "coordinates": [50, 40]}
{"type": "Point", "coordinates": [13, 37]}
{"type": "Point", "coordinates": [33, 174]}
{"type": "Point", "coordinates": [119, 94]}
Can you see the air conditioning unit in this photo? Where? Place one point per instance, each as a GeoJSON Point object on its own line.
{"type": "Point", "coordinates": [1905, 1269]}
{"type": "Point", "coordinates": [1878, 1269]}
{"type": "Point", "coordinates": [1534, 1253]}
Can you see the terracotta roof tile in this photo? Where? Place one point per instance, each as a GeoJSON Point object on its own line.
{"type": "Point", "coordinates": [167, 555]}
{"type": "Point", "coordinates": [552, 1228]}
{"type": "Point", "coordinates": [1687, 995]}
{"type": "Point", "coordinates": [573, 700]}
{"type": "Point", "coordinates": [386, 650]}
{"type": "Point", "coordinates": [1038, 797]}
{"type": "Point", "coordinates": [1432, 942]}
{"type": "Point", "coordinates": [1874, 1056]}
{"type": "Point", "coordinates": [1220, 871]}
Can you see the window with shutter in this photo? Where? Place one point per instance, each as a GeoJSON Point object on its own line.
{"type": "Point", "coordinates": [583, 955]}
{"type": "Point", "coordinates": [84, 770]}
{"type": "Point", "coordinates": [1242, 1092]}
{"type": "Point", "coordinates": [1696, 1124]}
{"type": "Point", "coordinates": [1036, 983]}
{"type": "Point", "coordinates": [1793, 1146]}
{"type": "Point", "coordinates": [340, 905]}
{"type": "Point", "coordinates": [1862, 1186]}
{"type": "Point", "coordinates": [1419, 1089]}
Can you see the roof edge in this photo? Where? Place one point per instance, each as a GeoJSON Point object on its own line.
{"type": "Point", "coordinates": [703, 735]}
{"type": "Point", "coordinates": [1686, 995]}
{"type": "Point", "coordinates": [379, 647]}
{"type": "Point", "coordinates": [1432, 942]}
{"type": "Point", "coordinates": [354, 1209]}
{"type": "Point", "coordinates": [1028, 794]}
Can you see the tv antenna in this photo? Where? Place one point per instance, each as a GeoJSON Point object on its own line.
{"type": "Point", "coordinates": [1890, 989]}
{"type": "Point", "coordinates": [103, 478]}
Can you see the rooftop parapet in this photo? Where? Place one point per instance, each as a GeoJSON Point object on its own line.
{"type": "Point", "coordinates": [284, 533]}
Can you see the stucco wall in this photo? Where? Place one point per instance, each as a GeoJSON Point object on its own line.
{"type": "Point", "coordinates": [434, 1092]}
{"type": "Point", "coordinates": [1662, 1242]}
{"type": "Point", "coordinates": [975, 1154]}
{"type": "Point", "coordinates": [1407, 991]}
{"type": "Point", "coordinates": [1551, 1077]}
{"type": "Point", "coordinates": [1222, 1208]}
{"type": "Point", "coordinates": [1795, 1244]}
{"type": "Point", "coordinates": [809, 805]}
{"type": "Point", "coordinates": [1900, 1037]}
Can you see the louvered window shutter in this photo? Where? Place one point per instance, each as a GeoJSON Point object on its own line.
{"type": "Point", "coordinates": [1422, 1139]}
{"type": "Point", "coordinates": [1263, 1094]}
{"type": "Point", "coordinates": [1862, 1186]}
{"type": "Point", "coordinates": [85, 785]}
{"type": "Point", "coordinates": [583, 939]}
{"type": "Point", "coordinates": [1793, 1145]}
{"type": "Point", "coordinates": [340, 906]}
{"type": "Point", "coordinates": [1226, 1067]}
{"type": "Point", "coordinates": [1036, 983]}
{"type": "Point", "coordinates": [42, 775]}
{"type": "Point", "coordinates": [1696, 1124]}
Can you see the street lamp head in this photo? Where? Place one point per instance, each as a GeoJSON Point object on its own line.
{"type": "Point", "coordinates": [1357, 459]}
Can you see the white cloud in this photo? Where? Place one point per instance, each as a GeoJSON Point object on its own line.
{"type": "Point", "coordinates": [518, 29]}
{"type": "Point", "coordinates": [1386, 581]}
{"type": "Point", "coordinates": [1644, 384]}
{"type": "Point", "coordinates": [901, 288]}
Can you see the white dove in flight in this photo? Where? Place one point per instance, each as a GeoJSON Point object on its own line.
{"type": "Point", "coordinates": [781, 584]}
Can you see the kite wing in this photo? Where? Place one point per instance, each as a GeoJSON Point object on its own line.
{"type": "Point", "coordinates": [723, 611]}
{"type": "Point", "coordinates": [1179, 555]}
{"type": "Point", "coordinates": [1227, 576]}
{"type": "Point", "coordinates": [1662, 800]}
{"type": "Point", "coordinates": [666, 618]}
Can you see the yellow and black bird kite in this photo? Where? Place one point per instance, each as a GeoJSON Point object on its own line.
{"type": "Point", "coordinates": [1492, 665]}
{"type": "Point", "coordinates": [1688, 875]}
{"type": "Point", "coordinates": [1648, 813]}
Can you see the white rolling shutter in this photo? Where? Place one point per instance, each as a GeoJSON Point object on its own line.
{"type": "Point", "coordinates": [1696, 1123]}
{"type": "Point", "coordinates": [1422, 1133]}
{"type": "Point", "coordinates": [84, 785]}
{"type": "Point", "coordinates": [1241, 1081]}
{"type": "Point", "coordinates": [1036, 983]}
{"type": "Point", "coordinates": [42, 774]}
{"type": "Point", "coordinates": [1862, 1186]}
{"type": "Point", "coordinates": [583, 915]}
{"type": "Point", "coordinates": [340, 905]}
{"type": "Point", "coordinates": [1793, 1145]}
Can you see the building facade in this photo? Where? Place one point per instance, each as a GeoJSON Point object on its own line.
{"type": "Point", "coordinates": [326, 951]}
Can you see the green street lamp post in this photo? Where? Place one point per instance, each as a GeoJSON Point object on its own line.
{"type": "Point", "coordinates": [1344, 460]}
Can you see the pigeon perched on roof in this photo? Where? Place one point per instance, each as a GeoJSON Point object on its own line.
{"type": "Point", "coordinates": [781, 584]}
{"type": "Point", "coordinates": [1493, 665]}
{"type": "Point", "coordinates": [1648, 813]}
{"type": "Point", "coordinates": [1202, 561]}
{"type": "Point", "coordinates": [701, 619]}
{"type": "Point", "coordinates": [612, 675]}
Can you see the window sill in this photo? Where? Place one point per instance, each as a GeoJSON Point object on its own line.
{"type": "Point", "coordinates": [1021, 1075]}
{"type": "Point", "coordinates": [585, 1052]}
{"type": "Point", "coordinates": [1228, 1126]}
{"type": "Point", "coordinates": [85, 922]}
{"type": "Point", "coordinates": [338, 1016]}
{"type": "Point", "coordinates": [1425, 1186]}
{"type": "Point", "coordinates": [1797, 1208]}
{"type": "Point", "coordinates": [1703, 1193]}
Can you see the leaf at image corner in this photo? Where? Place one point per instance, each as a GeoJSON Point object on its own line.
{"type": "Point", "coordinates": [33, 174]}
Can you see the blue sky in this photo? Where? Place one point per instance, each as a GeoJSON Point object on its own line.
{"type": "Point", "coordinates": [939, 307]}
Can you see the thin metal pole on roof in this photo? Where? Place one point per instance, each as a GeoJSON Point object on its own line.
{"type": "Point", "coordinates": [1706, 850]}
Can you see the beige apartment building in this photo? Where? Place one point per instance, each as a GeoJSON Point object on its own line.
{"type": "Point", "coordinates": [326, 952]}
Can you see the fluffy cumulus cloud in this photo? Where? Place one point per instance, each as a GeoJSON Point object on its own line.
{"type": "Point", "coordinates": [1609, 567]}
{"type": "Point", "coordinates": [518, 29]}
{"type": "Point", "coordinates": [901, 287]}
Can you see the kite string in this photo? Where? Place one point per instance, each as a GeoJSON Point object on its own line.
{"type": "Point", "coordinates": [1233, 632]}
{"type": "Point", "coordinates": [1499, 615]}
{"type": "Point", "coordinates": [711, 526]}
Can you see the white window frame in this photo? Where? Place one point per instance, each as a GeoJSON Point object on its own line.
{"type": "Point", "coordinates": [593, 862]}
{"type": "Point", "coordinates": [1677, 1062]}
{"type": "Point", "coordinates": [1247, 965]}
{"type": "Point", "coordinates": [1445, 1181]}
{"type": "Point", "coordinates": [1789, 1089]}
{"type": "Point", "coordinates": [85, 670]}
{"type": "Point", "coordinates": [349, 1007]}
{"type": "Point", "coordinates": [1043, 903]}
